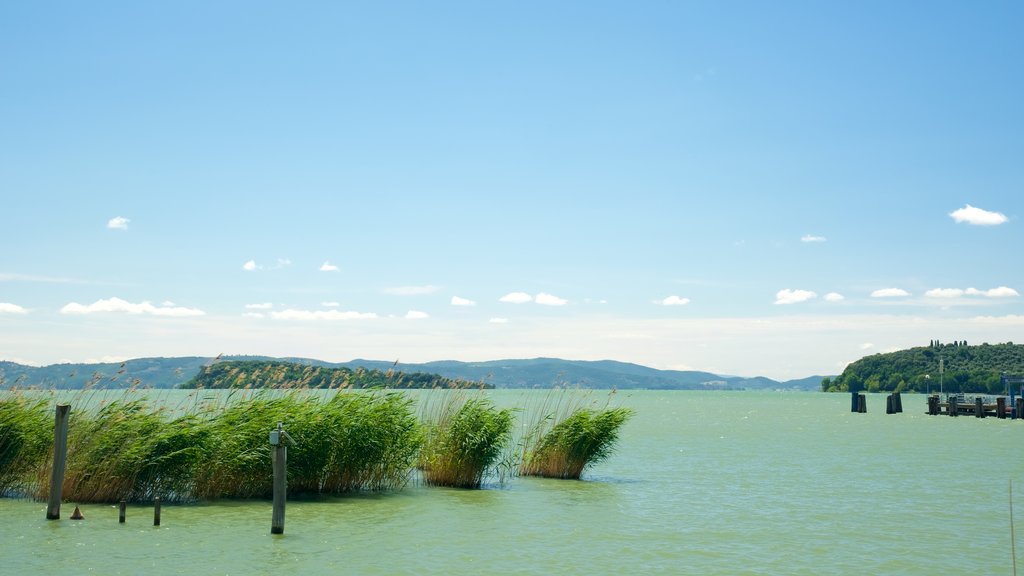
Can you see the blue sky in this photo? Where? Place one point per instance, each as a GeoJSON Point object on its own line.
{"type": "Point", "coordinates": [747, 188]}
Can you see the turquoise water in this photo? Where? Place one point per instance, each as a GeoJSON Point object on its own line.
{"type": "Point", "coordinates": [702, 483]}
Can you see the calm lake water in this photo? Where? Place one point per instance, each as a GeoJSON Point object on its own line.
{"type": "Point", "coordinates": [702, 483]}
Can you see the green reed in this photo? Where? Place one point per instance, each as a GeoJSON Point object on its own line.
{"type": "Point", "coordinates": [465, 439]}
{"type": "Point", "coordinates": [586, 437]}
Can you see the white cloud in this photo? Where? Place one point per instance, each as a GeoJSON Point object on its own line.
{"type": "Point", "coordinates": [416, 315]}
{"type": "Point", "coordinates": [411, 290]}
{"type": "Point", "coordinates": [787, 296]}
{"type": "Point", "coordinates": [123, 306]}
{"type": "Point", "coordinates": [328, 267]}
{"type": "Point", "coordinates": [674, 301]}
{"type": "Point", "coordinates": [118, 223]}
{"type": "Point", "coordinates": [498, 320]}
{"type": "Point", "coordinates": [263, 306]}
{"type": "Point", "coordinates": [867, 346]}
{"type": "Point", "coordinates": [8, 308]}
{"type": "Point", "coordinates": [550, 300]}
{"type": "Point", "coordinates": [330, 304]}
{"type": "Point", "coordinates": [516, 298]}
{"type": "Point", "coordinates": [944, 293]}
{"type": "Point", "coordinates": [1000, 292]}
{"type": "Point", "coordinates": [889, 293]}
{"type": "Point", "coordinates": [834, 297]}
{"type": "Point", "coordinates": [807, 238]}
{"type": "Point", "coordinates": [167, 303]}
{"type": "Point", "coordinates": [292, 314]}
{"type": "Point", "coordinates": [106, 360]}
{"type": "Point", "coordinates": [977, 216]}
{"type": "Point", "coordinates": [250, 266]}
{"type": "Point", "coordinates": [253, 315]}
{"type": "Point", "coordinates": [458, 301]}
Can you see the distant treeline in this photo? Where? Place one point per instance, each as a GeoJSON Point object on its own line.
{"type": "Point", "coordinates": [967, 368]}
{"type": "Point", "coordinates": [277, 374]}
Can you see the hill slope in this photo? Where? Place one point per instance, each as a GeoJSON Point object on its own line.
{"type": "Point", "coordinates": [966, 369]}
{"type": "Point", "coordinates": [524, 373]}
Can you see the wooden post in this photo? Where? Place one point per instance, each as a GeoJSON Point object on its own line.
{"type": "Point", "coordinates": [279, 459]}
{"type": "Point", "coordinates": [156, 511]}
{"type": "Point", "coordinates": [979, 407]}
{"type": "Point", "coordinates": [1020, 407]}
{"type": "Point", "coordinates": [952, 408]}
{"type": "Point", "coordinates": [862, 403]}
{"type": "Point", "coordinates": [60, 455]}
{"type": "Point", "coordinates": [890, 407]}
{"type": "Point", "coordinates": [1001, 407]}
{"type": "Point", "coordinates": [897, 402]}
{"type": "Point", "coordinates": [853, 401]}
{"type": "Point", "coordinates": [123, 508]}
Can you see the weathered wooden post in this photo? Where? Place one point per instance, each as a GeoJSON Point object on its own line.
{"type": "Point", "coordinates": [121, 512]}
{"type": "Point", "coordinates": [156, 511]}
{"type": "Point", "coordinates": [897, 402]}
{"type": "Point", "coordinates": [979, 407]}
{"type": "Point", "coordinates": [60, 456]}
{"type": "Point", "coordinates": [1001, 407]}
{"type": "Point", "coordinates": [862, 403]}
{"type": "Point", "coordinates": [279, 458]}
{"type": "Point", "coordinates": [853, 401]}
{"type": "Point", "coordinates": [952, 408]}
{"type": "Point", "coordinates": [890, 405]}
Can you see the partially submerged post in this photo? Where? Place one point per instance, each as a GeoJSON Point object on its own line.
{"type": "Point", "coordinates": [120, 516]}
{"type": "Point", "coordinates": [156, 511]}
{"type": "Point", "coordinates": [279, 458]}
{"type": "Point", "coordinates": [60, 454]}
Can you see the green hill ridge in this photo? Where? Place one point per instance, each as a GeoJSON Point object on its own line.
{"type": "Point", "coordinates": [965, 368]}
{"type": "Point", "coordinates": [284, 374]}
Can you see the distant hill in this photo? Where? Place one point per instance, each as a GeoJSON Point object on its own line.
{"type": "Point", "coordinates": [285, 374]}
{"type": "Point", "coordinates": [966, 368]}
{"type": "Point", "coordinates": [525, 373]}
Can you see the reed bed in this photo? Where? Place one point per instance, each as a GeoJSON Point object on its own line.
{"type": "Point", "coordinates": [569, 434]}
{"type": "Point", "coordinates": [466, 438]}
{"type": "Point", "coordinates": [135, 445]}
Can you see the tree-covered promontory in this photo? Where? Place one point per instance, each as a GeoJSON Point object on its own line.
{"type": "Point", "coordinates": [967, 368]}
{"type": "Point", "coordinates": [277, 374]}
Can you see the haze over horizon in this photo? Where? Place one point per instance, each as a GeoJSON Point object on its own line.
{"type": "Point", "coordinates": [776, 190]}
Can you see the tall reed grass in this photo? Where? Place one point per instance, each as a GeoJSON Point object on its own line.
{"type": "Point", "coordinates": [570, 434]}
{"type": "Point", "coordinates": [26, 437]}
{"type": "Point", "coordinates": [465, 439]}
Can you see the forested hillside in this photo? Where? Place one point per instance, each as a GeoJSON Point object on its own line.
{"type": "Point", "coordinates": [966, 369]}
{"type": "Point", "coordinates": [278, 374]}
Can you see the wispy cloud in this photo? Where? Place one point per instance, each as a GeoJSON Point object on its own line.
{"type": "Point", "coordinates": [550, 300]}
{"type": "Point", "coordinates": [251, 266]}
{"type": "Point", "coordinates": [253, 315]}
{"type": "Point", "coordinates": [117, 305]}
{"type": "Point", "coordinates": [118, 223]}
{"type": "Point", "coordinates": [416, 315]}
{"type": "Point", "coordinates": [8, 308]}
{"type": "Point", "coordinates": [787, 296]}
{"type": "Point", "coordinates": [1000, 292]}
{"type": "Point", "coordinates": [834, 297]}
{"type": "Point", "coordinates": [330, 304]}
{"type": "Point", "coordinates": [292, 314]}
{"type": "Point", "coordinates": [459, 301]}
{"type": "Point", "coordinates": [261, 306]}
{"type": "Point", "coordinates": [889, 293]}
{"type": "Point", "coordinates": [977, 216]}
{"type": "Point", "coordinates": [328, 267]}
{"type": "Point", "coordinates": [867, 346]}
{"type": "Point", "coordinates": [516, 298]}
{"type": "Point", "coordinates": [808, 238]}
{"type": "Point", "coordinates": [411, 290]}
{"type": "Point", "coordinates": [673, 301]}
{"type": "Point", "coordinates": [944, 293]}
{"type": "Point", "coordinates": [498, 320]}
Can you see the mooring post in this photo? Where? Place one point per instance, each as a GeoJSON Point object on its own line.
{"type": "Point", "coordinates": [952, 408]}
{"type": "Point", "coordinates": [121, 512]}
{"type": "Point", "coordinates": [279, 458]}
{"type": "Point", "coordinates": [862, 403]}
{"type": "Point", "coordinates": [979, 407]}
{"type": "Point", "coordinates": [897, 402]}
{"type": "Point", "coordinates": [853, 401]}
{"type": "Point", "coordinates": [1001, 407]}
{"type": "Point", "coordinates": [890, 405]}
{"type": "Point", "coordinates": [156, 511]}
{"type": "Point", "coordinates": [60, 455]}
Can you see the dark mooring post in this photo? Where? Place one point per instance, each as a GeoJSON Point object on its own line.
{"type": "Point", "coordinates": [862, 403]}
{"type": "Point", "coordinates": [853, 402]}
{"type": "Point", "coordinates": [279, 458]}
{"type": "Point", "coordinates": [897, 402]}
{"type": "Point", "coordinates": [951, 406]}
{"type": "Point", "coordinates": [890, 405]}
{"type": "Point", "coordinates": [60, 456]}
{"type": "Point", "coordinates": [156, 511]}
{"type": "Point", "coordinates": [979, 407]}
{"type": "Point", "coordinates": [1001, 407]}
{"type": "Point", "coordinates": [121, 512]}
